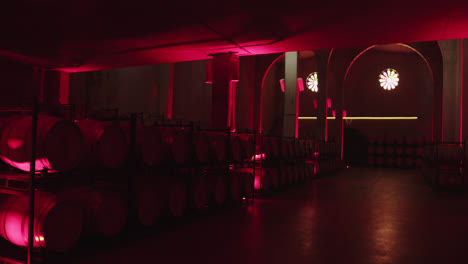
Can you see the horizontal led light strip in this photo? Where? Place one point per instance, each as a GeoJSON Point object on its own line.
{"type": "Point", "coordinates": [365, 117]}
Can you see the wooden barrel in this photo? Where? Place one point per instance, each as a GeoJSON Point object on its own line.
{"type": "Point", "coordinates": [389, 150]}
{"type": "Point", "coordinates": [59, 143]}
{"type": "Point", "coordinates": [399, 162]}
{"type": "Point", "coordinates": [380, 150]}
{"type": "Point", "coordinates": [177, 197]}
{"type": "Point", "coordinates": [217, 186]}
{"type": "Point", "coordinates": [371, 160]}
{"type": "Point", "coordinates": [248, 146]}
{"type": "Point", "coordinates": [180, 144]}
{"type": "Point", "coordinates": [203, 148]}
{"type": "Point", "coordinates": [199, 190]}
{"type": "Point", "coordinates": [409, 162]}
{"type": "Point", "coordinates": [410, 150]}
{"type": "Point", "coordinates": [371, 149]}
{"type": "Point", "coordinates": [410, 140]}
{"type": "Point", "coordinates": [268, 149]}
{"type": "Point", "coordinates": [57, 224]}
{"type": "Point", "coordinates": [420, 140]}
{"type": "Point", "coordinates": [389, 161]}
{"type": "Point", "coordinates": [379, 160]}
{"type": "Point", "coordinates": [390, 140]}
{"type": "Point", "coordinates": [219, 141]}
{"type": "Point", "coordinates": [234, 186]}
{"type": "Point", "coordinates": [400, 140]}
{"type": "Point", "coordinates": [399, 150]}
{"type": "Point", "coordinates": [284, 149]}
{"type": "Point", "coordinates": [246, 180]}
{"type": "Point", "coordinates": [380, 140]}
{"type": "Point", "coordinates": [450, 154]}
{"type": "Point", "coordinates": [236, 148]}
{"type": "Point", "coordinates": [151, 198]}
{"type": "Point", "coordinates": [371, 140]}
{"type": "Point", "coordinates": [292, 148]}
{"type": "Point", "coordinates": [150, 146]}
{"type": "Point", "coordinates": [105, 143]}
{"type": "Point", "coordinates": [104, 208]}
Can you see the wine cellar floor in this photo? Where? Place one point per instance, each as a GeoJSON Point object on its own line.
{"type": "Point", "coordinates": [360, 215]}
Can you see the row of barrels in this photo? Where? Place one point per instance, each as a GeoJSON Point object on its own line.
{"type": "Point", "coordinates": [101, 209]}
{"type": "Point", "coordinates": [63, 145]}
{"type": "Point", "coordinates": [444, 165]}
{"type": "Point", "coordinates": [402, 152]}
{"type": "Point", "coordinates": [286, 148]}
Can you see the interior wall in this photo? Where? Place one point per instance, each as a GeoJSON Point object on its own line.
{"type": "Point", "coordinates": [18, 82]}
{"type": "Point", "coordinates": [145, 89]}
{"type": "Point", "coordinates": [412, 97]}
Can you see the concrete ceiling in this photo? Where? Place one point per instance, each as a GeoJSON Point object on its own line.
{"type": "Point", "coordinates": [91, 34]}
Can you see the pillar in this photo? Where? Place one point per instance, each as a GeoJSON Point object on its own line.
{"type": "Point", "coordinates": [222, 104]}
{"type": "Point", "coordinates": [452, 91]}
{"type": "Point", "coordinates": [290, 94]}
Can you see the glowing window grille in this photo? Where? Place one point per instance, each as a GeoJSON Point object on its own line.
{"type": "Point", "coordinates": [312, 82]}
{"type": "Point", "coordinates": [389, 79]}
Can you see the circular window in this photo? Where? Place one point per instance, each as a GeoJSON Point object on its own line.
{"type": "Point", "coordinates": [389, 79]}
{"type": "Point", "coordinates": [312, 82]}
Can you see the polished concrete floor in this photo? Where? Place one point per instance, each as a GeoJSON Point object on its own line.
{"type": "Point", "coordinates": [359, 215]}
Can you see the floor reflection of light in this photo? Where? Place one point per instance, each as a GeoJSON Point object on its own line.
{"type": "Point", "coordinates": [385, 232]}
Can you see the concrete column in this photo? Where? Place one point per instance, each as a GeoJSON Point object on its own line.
{"type": "Point", "coordinates": [245, 93]}
{"type": "Point", "coordinates": [290, 94]}
{"type": "Point", "coordinates": [322, 64]}
{"type": "Point", "coordinates": [339, 107]}
{"type": "Point", "coordinates": [452, 51]}
{"type": "Point", "coordinates": [221, 99]}
{"type": "Point", "coordinates": [165, 80]}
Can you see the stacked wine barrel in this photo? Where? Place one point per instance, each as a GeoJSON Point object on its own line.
{"type": "Point", "coordinates": [328, 160]}
{"type": "Point", "coordinates": [444, 165]}
{"type": "Point", "coordinates": [401, 152]}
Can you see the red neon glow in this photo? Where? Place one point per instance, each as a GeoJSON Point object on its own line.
{"type": "Point", "coordinates": [333, 113]}
{"type": "Point", "coordinates": [14, 143]}
{"type": "Point", "coordinates": [281, 81]}
{"type": "Point", "coordinates": [258, 157]}
{"type": "Point", "coordinates": [315, 103]}
{"type": "Point", "coordinates": [257, 182]}
{"type": "Point", "coordinates": [42, 163]}
{"type": "Point", "coordinates": [345, 114]}
{"type": "Point", "coordinates": [328, 103]}
{"type": "Point", "coordinates": [300, 84]}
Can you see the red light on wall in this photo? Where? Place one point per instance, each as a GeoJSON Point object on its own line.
{"type": "Point", "coordinates": [333, 113]}
{"type": "Point", "coordinates": [300, 84]}
{"type": "Point", "coordinates": [257, 182]}
{"type": "Point", "coordinates": [315, 103]}
{"type": "Point", "coordinates": [281, 81]}
{"type": "Point", "coordinates": [209, 72]}
{"type": "Point", "coordinates": [329, 103]}
{"type": "Point", "coordinates": [344, 113]}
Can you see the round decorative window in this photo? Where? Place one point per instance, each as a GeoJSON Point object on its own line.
{"type": "Point", "coordinates": [312, 82]}
{"type": "Point", "coordinates": [389, 79]}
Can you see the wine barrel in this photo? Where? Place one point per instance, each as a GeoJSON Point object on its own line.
{"type": "Point", "coordinates": [199, 190]}
{"type": "Point", "coordinates": [389, 161]}
{"type": "Point", "coordinates": [105, 143]}
{"type": "Point", "coordinates": [380, 140]}
{"type": "Point", "coordinates": [268, 148]}
{"type": "Point", "coordinates": [59, 143]}
{"type": "Point", "coordinates": [234, 186]}
{"type": "Point", "coordinates": [371, 140]}
{"type": "Point", "coordinates": [177, 197]}
{"type": "Point", "coordinates": [389, 150]}
{"type": "Point", "coordinates": [57, 224]}
{"type": "Point", "coordinates": [246, 180]}
{"type": "Point", "coordinates": [410, 140]}
{"type": "Point", "coordinates": [292, 148]}
{"type": "Point", "coordinates": [389, 140]}
{"type": "Point", "coordinates": [104, 208]}
{"type": "Point", "coordinates": [450, 154]}
{"type": "Point", "coordinates": [379, 160]}
{"type": "Point", "coordinates": [371, 160]}
{"type": "Point", "coordinates": [150, 146]}
{"type": "Point", "coordinates": [410, 151]}
{"type": "Point", "coordinates": [380, 150]}
{"type": "Point", "coordinates": [370, 149]}
{"type": "Point", "coordinates": [203, 148]}
{"type": "Point", "coordinates": [219, 141]}
{"type": "Point", "coordinates": [399, 150]}
{"type": "Point", "coordinates": [236, 148]}
{"type": "Point", "coordinates": [180, 144]}
{"type": "Point", "coordinates": [420, 140]}
{"type": "Point", "coordinates": [400, 140]}
{"type": "Point", "coordinates": [248, 146]}
{"type": "Point", "coordinates": [217, 186]}
{"type": "Point", "coordinates": [399, 162]}
{"type": "Point", "coordinates": [409, 162]}
{"type": "Point", "coordinates": [284, 149]}
{"type": "Point", "coordinates": [150, 198]}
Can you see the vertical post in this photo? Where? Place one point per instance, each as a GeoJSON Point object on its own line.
{"type": "Point", "coordinates": [32, 185]}
{"type": "Point", "coordinates": [322, 64]}
{"type": "Point", "coordinates": [290, 94]}
{"type": "Point", "coordinates": [132, 163]}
